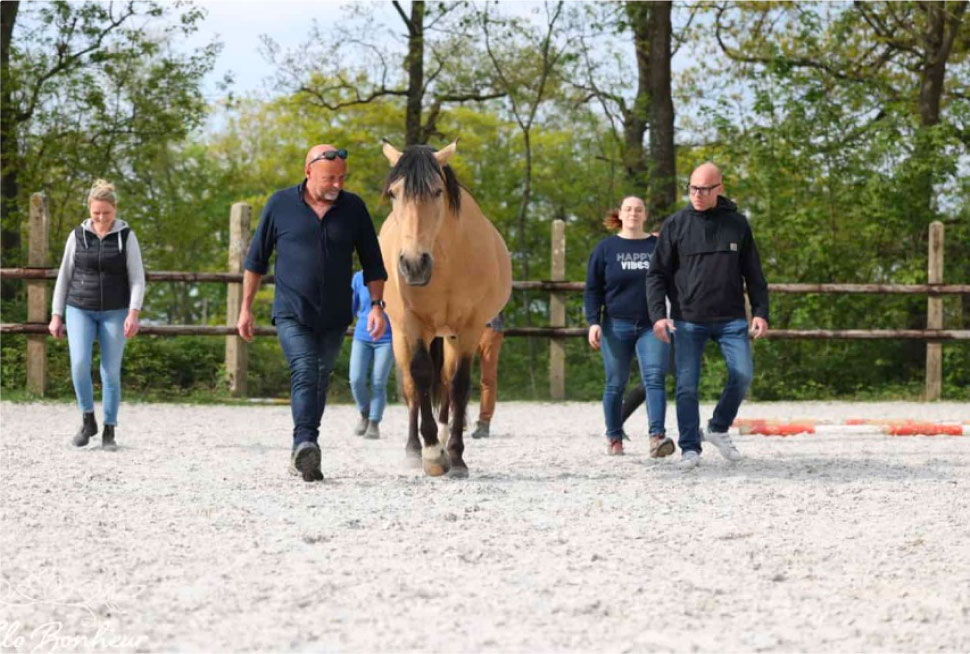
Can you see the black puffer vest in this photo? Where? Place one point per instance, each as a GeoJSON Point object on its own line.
{"type": "Point", "coordinates": [100, 281]}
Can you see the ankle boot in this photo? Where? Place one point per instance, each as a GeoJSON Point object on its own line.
{"type": "Point", "coordinates": [108, 438]}
{"type": "Point", "coordinates": [89, 427]}
{"type": "Point", "coordinates": [361, 424]}
{"type": "Point", "coordinates": [481, 429]}
{"type": "Point", "coordinates": [373, 429]}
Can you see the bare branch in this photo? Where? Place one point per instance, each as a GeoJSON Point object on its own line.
{"type": "Point", "coordinates": [679, 41]}
{"type": "Point", "coordinates": [320, 95]}
{"type": "Point", "coordinates": [65, 61]}
{"type": "Point", "coordinates": [498, 68]}
{"type": "Point", "coordinates": [798, 62]}
{"type": "Point", "coordinates": [884, 31]}
{"type": "Point", "coordinates": [445, 10]}
{"type": "Point", "coordinates": [599, 94]}
{"type": "Point", "coordinates": [469, 96]}
{"type": "Point", "coordinates": [405, 18]}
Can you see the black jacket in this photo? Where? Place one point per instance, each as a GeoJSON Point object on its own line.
{"type": "Point", "coordinates": [702, 262]}
{"type": "Point", "coordinates": [100, 281]}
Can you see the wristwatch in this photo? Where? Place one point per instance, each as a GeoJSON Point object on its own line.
{"type": "Point", "coordinates": [379, 303]}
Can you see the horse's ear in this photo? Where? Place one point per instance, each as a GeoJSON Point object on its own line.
{"type": "Point", "coordinates": [443, 155]}
{"type": "Point", "coordinates": [392, 153]}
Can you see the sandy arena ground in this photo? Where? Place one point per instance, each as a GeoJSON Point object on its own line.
{"type": "Point", "coordinates": [193, 537]}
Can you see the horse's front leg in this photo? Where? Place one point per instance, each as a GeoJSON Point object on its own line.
{"type": "Point", "coordinates": [434, 459]}
{"type": "Point", "coordinates": [441, 389]}
{"type": "Point", "coordinates": [403, 353]}
{"type": "Point", "coordinates": [458, 361]}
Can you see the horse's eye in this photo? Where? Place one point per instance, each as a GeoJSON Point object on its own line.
{"type": "Point", "coordinates": [438, 193]}
{"type": "Point", "coordinates": [390, 194]}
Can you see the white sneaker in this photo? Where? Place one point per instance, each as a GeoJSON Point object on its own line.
{"type": "Point", "coordinates": [689, 459]}
{"type": "Point", "coordinates": [722, 441]}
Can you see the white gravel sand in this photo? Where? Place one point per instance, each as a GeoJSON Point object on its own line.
{"type": "Point", "coordinates": [193, 537]}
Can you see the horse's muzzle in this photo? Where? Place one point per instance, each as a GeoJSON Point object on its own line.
{"type": "Point", "coordinates": [416, 272]}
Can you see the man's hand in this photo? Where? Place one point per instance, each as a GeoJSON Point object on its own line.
{"type": "Point", "coordinates": [131, 324]}
{"type": "Point", "coordinates": [595, 336]}
{"type": "Point", "coordinates": [663, 328]}
{"type": "Point", "coordinates": [376, 322]}
{"type": "Point", "coordinates": [56, 326]}
{"type": "Point", "coordinates": [759, 327]}
{"type": "Point", "coordinates": [245, 324]}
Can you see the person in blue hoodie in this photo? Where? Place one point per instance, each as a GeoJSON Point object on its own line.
{"type": "Point", "coordinates": [371, 361]}
{"type": "Point", "coordinates": [99, 293]}
{"type": "Point", "coordinates": [619, 324]}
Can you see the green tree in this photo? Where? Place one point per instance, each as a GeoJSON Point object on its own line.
{"type": "Point", "coordinates": [91, 90]}
{"type": "Point", "coordinates": [431, 80]}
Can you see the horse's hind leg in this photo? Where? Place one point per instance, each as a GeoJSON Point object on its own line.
{"type": "Point", "coordinates": [433, 456]}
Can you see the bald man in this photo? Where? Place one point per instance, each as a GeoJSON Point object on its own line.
{"type": "Point", "coordinates": [705, 258]}
{"type": "Point", "coordinates": [315, 227]}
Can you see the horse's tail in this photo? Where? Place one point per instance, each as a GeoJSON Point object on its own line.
{"type": "Point", "coordinates": [437, 351]}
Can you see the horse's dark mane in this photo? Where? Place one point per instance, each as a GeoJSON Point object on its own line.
{"type": "Point", "coordinates": [420, 169]}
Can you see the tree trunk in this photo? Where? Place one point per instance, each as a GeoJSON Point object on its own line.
{"type": "Point", "coordinates": [524, 252]}
{"type": "Point", "coordinates": [941, 29]}
{"type": "Point", "coordinates": [663, 165]}
{"type": "Point", "coordinates": [635, 119]}
{"type": "Point", "coordinates": [9, 188]}
{"type": "Point", "coordinates": [414, 64]}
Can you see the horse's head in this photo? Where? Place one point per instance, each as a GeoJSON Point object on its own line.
{"type": "Point", "coordinates": [423, 191]}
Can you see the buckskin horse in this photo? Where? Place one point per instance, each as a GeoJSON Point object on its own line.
{"type": "Point", "coordinates": [449, 273]}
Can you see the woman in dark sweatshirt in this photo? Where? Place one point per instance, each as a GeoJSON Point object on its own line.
{"type": "Point", "coordinates": [99, 292]}
{"type": "Point", "coordinates": [619, 325]}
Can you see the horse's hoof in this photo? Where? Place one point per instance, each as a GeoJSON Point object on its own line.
{"type": "Point", "coordinates": [413, 460]}
{"type": "Point", "coordinates": [458, 472]}
{"type": "Point", "coordinates": [435, 460]}
{"type": "Point", "coordinates": [434, 469]}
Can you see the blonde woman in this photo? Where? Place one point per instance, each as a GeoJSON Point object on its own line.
{"type": "Point", "coordinates": [99, 293]}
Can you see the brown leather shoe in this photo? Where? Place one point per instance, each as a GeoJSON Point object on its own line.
{"type": "Point", "coordinates": [661, 446]}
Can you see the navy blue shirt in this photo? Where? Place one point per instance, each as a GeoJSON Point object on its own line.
{"type": "Point", "coordinates": [616, 279]}
{"type": "Point", "coordinates": [314, 257]}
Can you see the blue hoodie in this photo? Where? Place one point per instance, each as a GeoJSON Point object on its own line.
{"type": "Point", "coordinates": [361, 307]}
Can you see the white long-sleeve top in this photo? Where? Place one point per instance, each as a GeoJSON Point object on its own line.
{"type": "Point", "coordinates": [136, 269]}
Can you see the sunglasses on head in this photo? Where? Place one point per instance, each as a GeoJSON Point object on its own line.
{"type": "Point", "coordinates": [330, 155]}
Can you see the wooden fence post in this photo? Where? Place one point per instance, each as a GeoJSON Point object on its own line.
{"type": "Point", "coordinates": [37, 257]}
{"type": "Point", "coordinates": [934, 313]}
{"type": "Point", "coordinates": [237, 354]}
{"type": "Point", "coordinates": [557, 313]}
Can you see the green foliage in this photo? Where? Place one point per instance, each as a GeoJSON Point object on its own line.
{"type": "Point", "coordinates": [831, 163]}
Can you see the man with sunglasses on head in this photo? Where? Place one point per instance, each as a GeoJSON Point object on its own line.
{"type": "Point", "coordinates": [315, 227]}
{"type": "Point", "coordinates": [705, 258]}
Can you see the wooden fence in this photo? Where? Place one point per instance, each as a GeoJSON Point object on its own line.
{"type": "Point", "coordinates": [38, 273]}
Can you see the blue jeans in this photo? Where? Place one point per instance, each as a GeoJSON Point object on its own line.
{"type": "Point", "coordinates": [109, 328]}
{"type": "Point", "coordinates": [374, 361]}
{"type": "Point", "coordinates": [311, 356]}
{"type": "Point", "coordinates": [690, 338]}
{"type": "Point", "coordinates": [621, 340]}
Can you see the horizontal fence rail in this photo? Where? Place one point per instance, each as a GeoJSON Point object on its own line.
{"type": "Point", "coordinates": [38, 272]}
{"type": "Point", "coordinates": [547, 332]}
{"type": "Point", "coordinates": [539, 285]}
